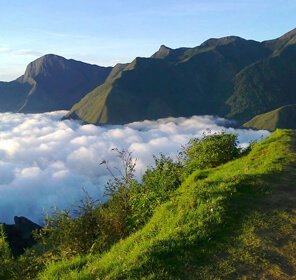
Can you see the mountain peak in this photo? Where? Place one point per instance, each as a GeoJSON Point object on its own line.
{"type": "Point", "coordinates": [162, 52]}
{"type": "Point", "coordinates": [214, 42]}
{"type": "Point", "coordinates": [162, 47]}
{"type": "Point", "coordinates": [43, 65]}
{"type": "Point", "coordinates": [47, 59]}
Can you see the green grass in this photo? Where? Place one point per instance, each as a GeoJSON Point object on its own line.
{"type": "Point", "coordinates": [283, 117]}
{"type": "Point", "coordinates": [232, 222]}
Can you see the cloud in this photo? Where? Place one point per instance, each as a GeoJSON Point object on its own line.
{"type": "Point", "coordinates": [45, 162]}
{"type": "Point", "coordinates": [20, 52]}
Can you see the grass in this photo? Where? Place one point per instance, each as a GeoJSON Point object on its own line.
{"type": "Point", "coordinates": [283, 117]}
{"type": "Point", "coordinates": [236, 221]}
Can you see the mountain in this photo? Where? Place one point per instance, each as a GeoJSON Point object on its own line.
{"type": "Point", "coordinates": [51, 83]}
{"type": "Point", "coordinates": [283, 117]}
{"type": "Point", "coordinates": [13, 95]}
{"type": "Point", "coordinates": [230, 77]}
{"type": "Point", "coordinates": [267, 84]}
{"type": "Point", "coordinates": [180, 82]}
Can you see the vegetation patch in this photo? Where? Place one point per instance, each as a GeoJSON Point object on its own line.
{"type": "Point", "coordinates": [221, 222]}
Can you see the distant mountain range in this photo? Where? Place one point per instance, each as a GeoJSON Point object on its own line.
{"type": "Point", "coordinates": [230, 77]}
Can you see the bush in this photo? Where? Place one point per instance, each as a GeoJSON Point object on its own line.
{"type": "Point", "coordinates": [210, 151]}
{"type": "Point", "coordinates": [65, 235]}
{"type": "Point", "coordinates": [6, 259]}
{"type": "Point", "coordinates": [118, 189]}
{"type": "Point", "coordinates": [159, 182]}
{"type": "Point", "coordinates": [93, 227]}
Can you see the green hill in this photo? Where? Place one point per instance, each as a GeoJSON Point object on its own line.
{"type": "Point", "coordinates": [235, 221]}
{"type": "Point", "coordinates": [51, 83]}
{"type": "Point", "coordinates": [284, 117]}
{"type": "Point", "coordinates": [230, 77]}
{"type": "Point", "coordinates": [181, 82]}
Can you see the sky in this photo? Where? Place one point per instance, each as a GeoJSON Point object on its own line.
{"type": "Point", "coordinates": [46, 163]}
{"type": "Point", "coordinates": [106, 32]}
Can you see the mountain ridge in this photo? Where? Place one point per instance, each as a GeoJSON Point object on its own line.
{"type": "Point", "coordinates": [151, 88]}
{"type": "Point", "coordinates": [230, 76]}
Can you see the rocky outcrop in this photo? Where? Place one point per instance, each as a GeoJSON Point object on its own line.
{"type": "Point", "coordinates": [19, 234]}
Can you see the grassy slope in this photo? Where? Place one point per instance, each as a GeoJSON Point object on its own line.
{"type": "Point", "coordinates": [284, 117]}
{"type": "Point", "coordinates": [235, 221]}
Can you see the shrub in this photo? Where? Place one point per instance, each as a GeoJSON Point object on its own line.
{"type": "Point", "coordinates": [210, 151]}
{"type": "Point", "coordinates": [66, 235]}
{"type": "Point", "coordinates": [158, 184]}
{"type": "Point", "coordinates": [6, 259]}
{"type": "Point", "coordinates": [93, 227]}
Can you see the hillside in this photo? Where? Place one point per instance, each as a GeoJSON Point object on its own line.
{"type": "Point", "coordinates": [180, 82]}
{"type": "Point", "coordinates": [51, 83]}
{"type": "Point", "coordinates": [13, 95]}
{"type": "Point", "coordinates": [229, 76]}
{"type": "Point", "coordinates": [267, 84]}
{"type": "Point", "coordinates": [283, 117]}
{"type": "Point", "coordinates": [236, 221]}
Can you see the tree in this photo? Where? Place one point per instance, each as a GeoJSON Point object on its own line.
{"type": "Point", "coordinates": [118, 189]}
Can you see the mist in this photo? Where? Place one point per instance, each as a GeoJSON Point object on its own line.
{"type": "Point", "coordinates": [46, 162]}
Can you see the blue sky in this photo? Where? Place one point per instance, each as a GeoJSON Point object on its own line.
{"type": "Point", "coordinates": [105, 32]}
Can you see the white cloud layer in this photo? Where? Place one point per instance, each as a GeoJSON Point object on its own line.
{"type": "Point", "coordinates": [45, 162]}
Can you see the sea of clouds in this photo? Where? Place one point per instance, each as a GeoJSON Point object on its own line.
{"type": "Point", "coordinates": [46, 162]}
